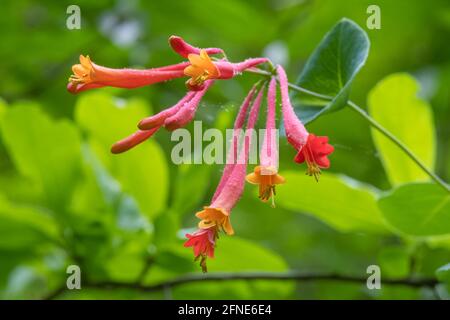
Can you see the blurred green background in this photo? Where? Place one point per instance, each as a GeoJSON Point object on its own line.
{"type": "Point", "coordinates": [64, 199]}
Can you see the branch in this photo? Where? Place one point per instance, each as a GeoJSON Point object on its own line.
{"type": "Point", "coordinates": [250, 276]}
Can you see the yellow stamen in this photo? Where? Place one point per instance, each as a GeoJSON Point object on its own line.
{"type": "Point", "coordinates": [313, 170]}
{"type": "Point", "coordinates": [83, 72]}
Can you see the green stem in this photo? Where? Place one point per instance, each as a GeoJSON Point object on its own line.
{"type": "Point", "coordinates": [373, 123]}
{"type": "Point", "coordinates": [399, 144]}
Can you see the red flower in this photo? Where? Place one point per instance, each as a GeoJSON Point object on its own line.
{"type": "Point", "coordinates": [202, 242]}
{"type": "Point", "coordinates": [311, 149]}
{"type": "Point", "coordinates": [315, 153]}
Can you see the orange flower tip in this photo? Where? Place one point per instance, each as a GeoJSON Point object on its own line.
{"type": "Point", "coordinates": [215, 217]}
{"type": "Point", "coordinates": [267, 178]}
{"type": "Point", "coordinates": [82, 72]}
{"type": "Point", "coordinates": [201, 68]}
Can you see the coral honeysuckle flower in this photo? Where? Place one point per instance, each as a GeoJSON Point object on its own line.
{"type": "Point", "coordinates": [218, 213]}
{"type": "Point", "coordinates": [88, 75]}
{"type": "Point", "coordinates": [315, 153]}
{"type": "Point", "coordinates": [202, 242]}
{"type": "Point", "coordinates": [201, 69]}
{"type": "Point", "coordinates": [267, 178]}
{"type": "Point", "coordinates": [266, 175]}
{"type": "Point", "coordinates": [311, 149]}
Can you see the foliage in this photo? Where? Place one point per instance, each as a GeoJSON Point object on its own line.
{"type": "Point", "coordinates": [64, 199]}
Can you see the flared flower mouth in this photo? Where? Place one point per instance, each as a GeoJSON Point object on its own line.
{"type": "Point", "coordinates": [267, 178]}
{"type": "Point", "coordinates": [83, 72]}
{"type": "Point", "coordinates": [315, 153]}
{"type": "Point", "coordinates": [201, 68]}
{"type": "Point", "coordinates": [215, 217]}
{"type": "Point", "coordinates": [203, 242]}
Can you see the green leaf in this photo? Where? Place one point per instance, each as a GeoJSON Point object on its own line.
{"type": "Point", "coordinates": [331, 69]}
{"type": "Point", "coordinates": [3, 107]}
{"type": "Point", "coordinates": [338, 201]}
{"type": "Point", "coordinates": [108, 118]}
{"type": "Point", "coordinates": [24, 227]}
{"type": "Point", "coordinates": [395, 262]}
{"type": "Point", "coordinates": [418, 209]}
{"type": "Point", "coordinates": [46, 151]}
{"type": "Point", "coordinates": [142, 172]}
{"type": "Point", "coordinates": [124, 206]}
{"type": "Point", "coordinates": [443, 273]}
{"type": "Point", "coordinates": [199, 179]}
{"type": "Point", "coordinates": [395, 105]}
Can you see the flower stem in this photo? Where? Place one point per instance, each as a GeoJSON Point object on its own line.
{"type": "Point", "coordinates": [373, 123]}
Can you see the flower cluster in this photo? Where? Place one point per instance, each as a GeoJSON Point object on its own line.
{"type": "Point", "coordinates": [202, 72]}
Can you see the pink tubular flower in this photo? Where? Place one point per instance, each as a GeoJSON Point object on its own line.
{"type": "Point", "coordinates": [184, 49]}
{"type": "Point", "coordinates": [200, 68]}
{"type": "Point", "coordinates": [172, 118]}
{"type": "Point", "coordinates": [132, 140]}
{"type": "Point", "coordinates": [187, 111]}
{"type": "Point", "coordinates": [311, 149]}
{"type": "Point", "coordinates": [216, 217]}
{"type": "Point", "coordinates": [88, 75]}
{"type": "Point", "coordinates": [202, 242]}
{"type": "Point", "coordinates": [159, 118]}
{"type": "Point", "coordinates": [266, 174]}
{"type": "Point", "coordinates": [217, 214]}
{"type": "Point", "coordinates": [238, 125]}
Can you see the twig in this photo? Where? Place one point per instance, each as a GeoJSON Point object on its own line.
{"type": "Point", "coordinates": [272, 276]}
{"type": "Point", "coordinates": [399, 144]}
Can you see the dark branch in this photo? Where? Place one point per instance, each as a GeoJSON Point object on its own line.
{"type": "Point", "coordinates": [282, 276]}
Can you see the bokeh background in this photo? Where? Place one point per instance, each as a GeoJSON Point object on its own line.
{"type": "Point", "coordinates": [64, 199]}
